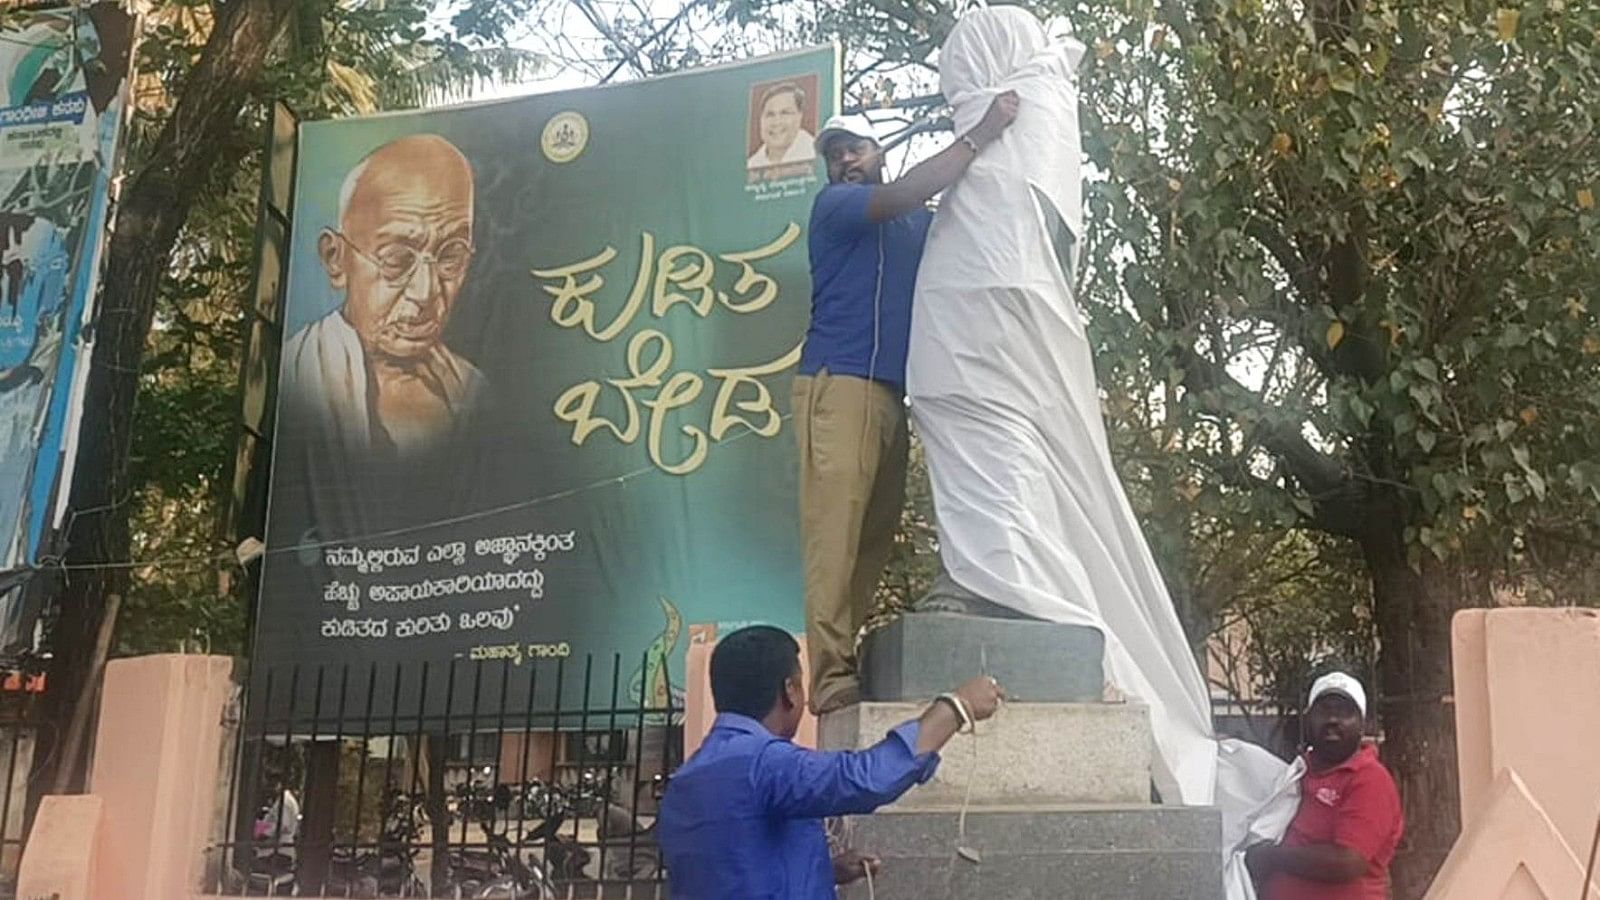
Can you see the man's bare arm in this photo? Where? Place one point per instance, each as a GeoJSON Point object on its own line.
{"type": "Point", "coordinates": [932, 175]}
{"type": "Point", "coordinates": [1327, 863]}
{"type": "Point", "coordinates": [939, 723]}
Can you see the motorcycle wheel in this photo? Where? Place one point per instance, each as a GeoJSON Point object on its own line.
{"type": "Point", "coordinates": [508, 889]}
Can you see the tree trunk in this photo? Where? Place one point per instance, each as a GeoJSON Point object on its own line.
{"type": "Point", "coordinates": [1413, 611]}
{"type": "Point", "coordinates": [190, 152]}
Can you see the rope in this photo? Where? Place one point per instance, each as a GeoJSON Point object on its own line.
{"type": "Point", "coordinates": [962, 851]}
{"type": "Point", "coordinates": [226, 558]}
{"type": "Point", "coordinates": [966, 803]}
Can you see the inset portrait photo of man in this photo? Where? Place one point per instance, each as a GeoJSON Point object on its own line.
{"type": "Point", "coordinates": [783, 123]}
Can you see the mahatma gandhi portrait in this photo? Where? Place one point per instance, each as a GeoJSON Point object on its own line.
{"type": "Point", "coordinates": [374, 376]}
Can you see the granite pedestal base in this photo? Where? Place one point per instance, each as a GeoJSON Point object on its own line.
{"type": "Point", "coordinates": [1057, 786]}
{"type": "Point", "coordinates": [921, 655]}
{"type": "Point", "coordinates": [1093, 853]}
{"type": "Point", "coordinates": [1030, 754]}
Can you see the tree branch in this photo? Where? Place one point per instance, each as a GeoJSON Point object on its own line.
{"type": "Point", "coordinates": [183, 160]}
{"type": "Point", "coordinates": [654, 36]}
{"type": "Point", "coordinates": [629, 54]}
{"type": "Point", "coordinates": [1337, 499]}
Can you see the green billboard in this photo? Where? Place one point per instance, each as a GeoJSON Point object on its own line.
{"type": "Point", "coordinates": [533, 388]}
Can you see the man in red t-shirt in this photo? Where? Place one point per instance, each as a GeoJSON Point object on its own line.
{"type": "Point", "coordinates": [1344, 835]}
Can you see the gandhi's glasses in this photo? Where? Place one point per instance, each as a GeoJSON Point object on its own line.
{"type": "Point", "coordinates": [397, 263]}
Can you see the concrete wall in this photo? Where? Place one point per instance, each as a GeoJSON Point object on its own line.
{"type": "Point", "coordinates": [152, 806]}
{"type": "Point", "coordinates": [1528, 700]}
{"type": "Point", "coordinates": [1527, 695]}
{"type": "Point", "coordinates": [68, 832]}
{"type": "Point", "coordinates": [699, 709]}
{"type": "Point", "coordinates": [1511, 851]}
{"type": "Point", "coordinates": [161, 724]}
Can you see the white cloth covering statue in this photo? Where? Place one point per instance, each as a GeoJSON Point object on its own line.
{"type": "Point", "coordinates": [1032, 517]}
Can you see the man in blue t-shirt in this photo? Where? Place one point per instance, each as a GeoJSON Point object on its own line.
{"type": "Point", "coordinates": [866, 242]}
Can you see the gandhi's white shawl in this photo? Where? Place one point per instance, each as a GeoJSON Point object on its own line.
{"type": "Point", "coordinates": [325, 381]}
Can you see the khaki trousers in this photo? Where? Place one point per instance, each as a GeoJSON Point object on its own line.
{"type": "Point", "coordinates": [853, 446]}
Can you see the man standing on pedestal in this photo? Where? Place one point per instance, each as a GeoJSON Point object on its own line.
{"type": "Point", "coordinates": [866, 242]}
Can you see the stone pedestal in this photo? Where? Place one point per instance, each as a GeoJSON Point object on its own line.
{"type": "Point", "coordinates": [1033, 754]}
{"type": "Point", "coordinates": [1056, 788]}
{"type": "Point", "coordinates": [1040, 853]}
{"type": "Point", "coordinates": [920, 655]}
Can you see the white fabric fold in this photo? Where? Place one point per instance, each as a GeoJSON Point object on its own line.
{"type": "Point", "coordinates": [1258, 795]}
{"type": "Point", "coordinates": [1001, 381]}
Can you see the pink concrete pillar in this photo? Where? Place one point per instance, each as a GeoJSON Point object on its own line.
{"type": "Point", "coordinates": [699, 711]}
{"type": "Point", "coordinates": [1526, 684]}
{"type": "Point", "coordinates": [155, 770]}
{"type": "Point", "coordinates": [1474, 756]}
{"type": "Point", "coordinates": [62, 849]}
{"type": "Point", "coordinates": [1544, 709]}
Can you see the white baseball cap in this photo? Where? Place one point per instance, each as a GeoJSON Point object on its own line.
{"type": "Point", "coordinates": [855, 125]}
{"type": "Point", "coordinates": [1339, 683]}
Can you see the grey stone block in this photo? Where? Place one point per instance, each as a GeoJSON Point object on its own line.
{"type": "Point", "coordinates": [922, 654]}
{"type": "Point", "coordinates": [1103, 853]}
{"type": "Point", "coordinates": [1030, 754]}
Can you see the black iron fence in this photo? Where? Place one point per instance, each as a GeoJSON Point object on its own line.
{"type": "Point", "coordinates": [529, 779]}
{"type": "Point", "coordinates": [19, 739]}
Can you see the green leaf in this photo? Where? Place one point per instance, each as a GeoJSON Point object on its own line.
{"type": "Point", "coordinates": [1514, 492]}
{"type": "Point", "coordinates": [1536, 482]}
{"type": "Point", "coordinates": [1513, 335]}
{"type": "Point", "coordinates": [1426, 440]}
{"type": "Point", "coordinates": [1426, 396]}
{"type": "Point", "coordinates": [1379, 59]}
{"type": "Point", "coordinates": [1362, 409]}
{"type": "Point", "coordinates": [1519, 453]}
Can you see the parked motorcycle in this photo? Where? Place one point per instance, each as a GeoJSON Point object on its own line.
{"type": "Point", "coordinates": [629, 851]}
{"type": "Point", "coordinates": [272, 873]}
{"type": "Point", "coordinates": [273, 860]}
{"type": "Point", "coordinates": [499, 870]}
{"type": "Point", "coordinates": [389, 870]}
{"type": "Point", "coordinates": [592, 793]}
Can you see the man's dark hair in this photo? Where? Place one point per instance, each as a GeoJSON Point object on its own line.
{"type": "Point", "coordinates": [787, 87]}
{"type": "Point", "coordinates": [748, 669]}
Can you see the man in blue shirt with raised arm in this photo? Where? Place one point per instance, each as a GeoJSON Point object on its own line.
{"type": "Point", "coordinates": [742, 820]}
{"type": "Point", "coordinates": [866, 242]}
